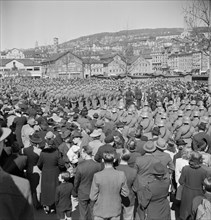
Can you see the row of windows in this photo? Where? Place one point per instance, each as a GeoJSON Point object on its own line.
{"type": "Point", "coordinates": [115, 70]}
{"type": "Point", "coordinates": [97, 70]}
{"type": "Point", "coordinates": [28, 69]}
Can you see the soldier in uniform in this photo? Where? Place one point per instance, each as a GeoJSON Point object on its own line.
{"type": "Point", "coordinates": [186, 131]}
{"type": "Point", "coordinates": [195, 120]}
{"type": "Point", "coordinates": [81, 102]}
{"type": "Point", "coordinates": [165, 133]}
{"type": "Point", "coordinates": [138, 97]}
{"type": "Point", "coordinates": [129, 96]}
{"type": "Point", "coordinates": [178, 122]}
{"type": "Point", "coordinates": [188, 111]}
{"type": "Point", "coordinates": [146, 123]}
{"type": "Point", "coordinates": [182, 105]}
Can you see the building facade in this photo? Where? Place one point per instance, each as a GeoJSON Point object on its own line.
{"type": "Point", "coordinates": [65, 65]}
{"type": "Point", "coordinates": [140, 66]}
{"type": "Point", "coordinates": [19, 66]}
{"type": "Point", "coordinates": [114, 66]}
{"type": "Point", "coordinates": [14, 54]}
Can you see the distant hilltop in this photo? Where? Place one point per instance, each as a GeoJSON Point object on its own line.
{"type": "Point", "coordinates": [122, 36]}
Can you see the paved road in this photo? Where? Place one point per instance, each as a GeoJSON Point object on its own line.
{"type": "Point", "coordinates": [40, 214]}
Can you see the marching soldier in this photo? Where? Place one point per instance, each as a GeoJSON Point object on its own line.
{"type": "Point", "coordinates": [186, 131]}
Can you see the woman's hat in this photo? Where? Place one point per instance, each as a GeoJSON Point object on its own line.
{"type": "Point", "coordinates": [149, 147]}
{"type": "Point", "coordinates": [35, 138]}
{"type": "Point", "coordinates": [161, 144]}
{"type": "Point", "coordinates": [158, 169]}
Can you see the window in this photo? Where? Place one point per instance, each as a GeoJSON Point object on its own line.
{"type": "Point", "coordinates": [30, 69]}
{"type": "Point", "coordinates": [36, 68]}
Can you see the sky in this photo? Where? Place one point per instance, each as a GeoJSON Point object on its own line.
{"type": "Point", "coordinates": [22, 23]}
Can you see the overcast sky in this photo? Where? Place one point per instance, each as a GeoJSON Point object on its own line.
{"type": "Point", "coordinates": [25, 22]}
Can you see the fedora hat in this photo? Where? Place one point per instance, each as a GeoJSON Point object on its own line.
{"type": "Point", "coordinates": [99, 124]}
{"type": "Point", "coordinates": [180, 142]}
{"type": "Point", "coordinates": [161, 144]}
{"type": "Point", "coordinates": [149, 147]}
{"type": "Point", "coordinates": [95, 133]}
{"type": "Point", "coordinates": [96, 115]}
{"type": "Point", "coordinates": [76, 134]}
{"type": "Point", "coordinates": [158, 169]}
{"type": "Point", "coordinates": [4, 133]}
{"type": "Point", "coordinates": [156, 131]}
{"type": "Point", "coordinates": [35, 138]}
{"type": "Point", "coordinates": [202, 126]}
{"type": "Point", "coordinates": [66, 133]}
{"type": "Point", "coordinates": [120, 124]}
{"type": "Point", "coordinates": [50, 135]}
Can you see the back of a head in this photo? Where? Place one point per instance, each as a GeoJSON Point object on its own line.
{"type": "Point", "coordinates": [186, 153]}
{"type": "Point", "coordinates": [195, 159]}
{"type": "Point", "coordinates": [125, 155]}
{"type": "Point", "coordinates": [65, 176]}
{"type": "Point", "coordinates": [87, 149]}
{"type": "Point", "coordinates": [108, 157]}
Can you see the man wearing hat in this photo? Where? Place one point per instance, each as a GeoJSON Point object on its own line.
{"type": "Point", "coordinates": [186, 131]}
{"type": "Point", "coordinates": [164, 157]}
{"type": "Point", "coordinates": [138, 97]}
{"type": "Point", "coordinates": [178, 122]}
{"type": "Point", "coordinates": [15, 194]}
{"type": "Point", "coordinates": [143, 163]}
{"type": "Point", "coordinates": [107, 186]}
{"type": "Point", "coordinates": [83, 180]}
{"type": "Point", "coordinates": [107, 147]}
{"type": "Point", "coordinates": [32, 172]}
{"type": "Point", "coordinates": [95, 144]}
{"type": "Point", "coordinates": [180, 145]}
{"type": "Point", "coordinates": [201, 141]}
{"type": "Point", "coordinates": [153, 198]}
{"type": "Point", "coordinates": [195, 120]}
{"type": "Point", "coordinates": [147, 123]}
{"type": "Point", "coordinates": [165, 133]}
{"type": "Point", "coordinates": [130, 174]}
{"type": "Point", "coordinates": [27, 130]}
{"type": "Point", "coordinates": [129, 96]}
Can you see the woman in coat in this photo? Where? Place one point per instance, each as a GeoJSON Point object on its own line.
{"type": "Point", "coordinates": [153, 201]}
{"type": "Point", "coordinates": [49, 162]}
{"type": "Point", "coordinates": [192, 178]}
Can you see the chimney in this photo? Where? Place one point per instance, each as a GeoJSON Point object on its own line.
{"type": "Point", "coordinates": [56, 44]}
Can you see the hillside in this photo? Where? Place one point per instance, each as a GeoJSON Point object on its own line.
{"type": "Point", "coordinates": [121, 36]}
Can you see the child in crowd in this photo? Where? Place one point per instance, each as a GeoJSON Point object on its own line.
{"type": "Point", "coordinates": [63, 197]}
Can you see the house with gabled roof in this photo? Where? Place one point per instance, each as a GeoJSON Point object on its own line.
{"type": "Point", "coordinates": [15, 54]}
{"type": "Point", "coordinates": [7, 66]}
{"type": "Point", "coordinates": [140, 65]}
{"type": "Point", "coordinates": [65, 65]}
{"type": "Point", "coordinates": [114, 65]}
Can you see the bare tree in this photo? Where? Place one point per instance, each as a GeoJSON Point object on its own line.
{"type": "Point", "coordinates": [198, 19]}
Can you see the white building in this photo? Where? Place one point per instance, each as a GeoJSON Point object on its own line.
{"type": "Point", "coordinates": [18, 66]}
{"type": "Point", "coordinates": [14, 54]}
